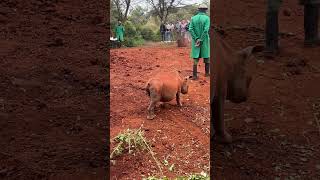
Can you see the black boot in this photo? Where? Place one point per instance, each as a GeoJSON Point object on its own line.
{"type": "Point", "coordinates": [272, 31]}
{"type": "Point", "coordinates": [207, 69]}
{"type": "Point", "coordinates": [311, 17]}
{"type": "Point", "coordinates": [195, 72]}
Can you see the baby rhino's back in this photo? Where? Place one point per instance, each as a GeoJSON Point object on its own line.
{"type": "Point", "coordinates": [170, 85]}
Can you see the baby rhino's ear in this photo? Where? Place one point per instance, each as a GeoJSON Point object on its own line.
{"type": "Point", "coordinates": [245, 53]}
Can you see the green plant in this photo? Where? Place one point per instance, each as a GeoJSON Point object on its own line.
{"type": "Point", "coordinates": [134, 42]}
{"type": "Point", "coordinates": [133, 140]}
{"type": "Point", "coordinates": [130, 30]}
{"type": "Point", "coordinates": [129, 140]}
{"type": "Point", "coordinates": [147, 33]}
{"type": "Point", "coordinates": [196, 176]}
{"type": "Point", "coordinates": [132, 36]}
{"type": "Point", "coordinates": [157, 36]}
{"type": "Point", "coordinates": [201, 176]}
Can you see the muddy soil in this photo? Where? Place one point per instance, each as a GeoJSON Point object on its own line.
{"type": "Point", "coordinates": [277, 130]}
{"type": "Point", "coordinates": [178, 134]}
{"type": "Point", "coordinates": [52, 90]}
{"type": "Point", "coordinates": [278, 126]}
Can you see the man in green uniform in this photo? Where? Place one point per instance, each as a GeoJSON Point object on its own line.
{"type": "Point", "coordinates": [200, 45]}
{"type": "Point", "coordinates": [272, 27]}
{"type": "Point", "coordinates": [119, 32]}
{"type": "Point", "coordinates": [311, 21]}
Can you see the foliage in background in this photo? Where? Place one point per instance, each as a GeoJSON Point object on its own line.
{"type": "Point", "coordinates": [133, 37]}
{"type": "Point", "coordinates": [183, 13]}
{"type": "Point", "coordinates": [143, 25]}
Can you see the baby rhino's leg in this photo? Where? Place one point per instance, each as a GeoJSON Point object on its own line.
{"type": "Point", "coordinates": [178, 99]}
{"type": "Point", "coordinates": [154, 99]}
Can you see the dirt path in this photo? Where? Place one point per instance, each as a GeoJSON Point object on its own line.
{"type": "Point", "coordinates": [52, 89]}
{"type": "Point", "coordinates": [180, 133]}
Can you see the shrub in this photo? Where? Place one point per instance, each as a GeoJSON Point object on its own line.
{"type": "Point", "coordinates": [132, 37]}
{"type": "Point", "coordinates": [157, 36]}
{"type": "Point", "coordinates": [133, 42]}
{"type": "Point", "coordinates": [147, 34]}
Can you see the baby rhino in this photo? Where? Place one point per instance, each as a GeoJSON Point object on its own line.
{"type": "Point", "coordinates": [164, 87]}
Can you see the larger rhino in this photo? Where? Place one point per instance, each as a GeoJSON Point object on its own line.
{"type": "Point", "coordinates": [230, 80]}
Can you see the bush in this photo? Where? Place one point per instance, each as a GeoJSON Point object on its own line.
{"type": "Point", "coordinates": [133, 42]}
{"type": "Point", "coordinates": [157, 36]}
{"type": "Point", "coordinates": [132, 37]}
{"type": "Point", "coordinates": [147, 34]}
{"type": "Point", "coordinates": [130, 30]}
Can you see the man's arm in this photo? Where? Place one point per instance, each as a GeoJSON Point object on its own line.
{"type": "Point", "coordinates": [191, 30]}
{"type": "Point", "coordinates": [206, 29]}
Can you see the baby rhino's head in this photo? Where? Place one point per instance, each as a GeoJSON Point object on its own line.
{"type": "Point", "coordinates": [185, 85]}
{"type": "Point", "coordinates": [240, 80]}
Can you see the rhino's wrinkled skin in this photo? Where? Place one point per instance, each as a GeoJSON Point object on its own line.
{"type": "Point", "coordinates": [164, 87]}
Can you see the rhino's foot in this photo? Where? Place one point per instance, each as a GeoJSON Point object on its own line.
{"type": "Point", "coordinates": [150, 117]}
{"type": "Point", "coordinates": [194, 78]}
{"type": "Point", "coordinates": [162, 105]}
{"type": "Point", "coordinates": [225, 138]}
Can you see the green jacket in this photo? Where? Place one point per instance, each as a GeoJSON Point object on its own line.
{"type": "Point", "coordinates": [199, 29]}
{"type": "Point", "coordinates": [119, 32]}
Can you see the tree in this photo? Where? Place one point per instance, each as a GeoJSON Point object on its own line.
{"type": "Point", "coordinates": [122, 7]}
{"type": "Point", "coordinates": [183, 13]}
{"type": "Point", "coordinates": [138, 16]}
{"type": "Point", "coordinates": [162, 8]}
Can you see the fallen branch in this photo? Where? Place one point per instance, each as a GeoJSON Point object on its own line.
{"type": "Point", "coordinates": [152, 154]}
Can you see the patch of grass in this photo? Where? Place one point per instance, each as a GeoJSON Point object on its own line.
{"type": "Point", "coordinates": [197, 176]}
{"type": "Point", "coordinates": [128, 141]}
{"type": "Point", "coordinates": [133, 140]}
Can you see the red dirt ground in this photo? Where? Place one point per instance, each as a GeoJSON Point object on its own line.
{"type": "Point", "coordinates": [278, 124]}
{"type": "Point", "coordinates": [180, 133]}
{"type": "Point", "coordinates": [54, 65]}
{"type": "Point", "coordinates": [52, 82]}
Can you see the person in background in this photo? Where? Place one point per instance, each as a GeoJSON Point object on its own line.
{"type": "Point", "coordinates": [120, 33]}
{"type": "Point", "coordinates": [311, 22]}
{"type": "Point", "coordinates": [183, 29]}
{"type": "Point", "coordinates": [168, 34]}
{"type": "Point", "coordinates": [172, 31]}
{"type": "Point", "coordinates": [178, 27]}
{"type": "Point", "coordinates": [163, 32]}
{"type": "Point", "coordinates": [187, 31]}
{"type": "Point", "coordinates": [200, 46]}
{"type": "Point", "coordinates": [272, 28]}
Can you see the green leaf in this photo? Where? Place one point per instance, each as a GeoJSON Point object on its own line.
{"type": "Point", "coordinates": [165, 162]}
{"type": "Point", "coordinates": [171, 168]}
